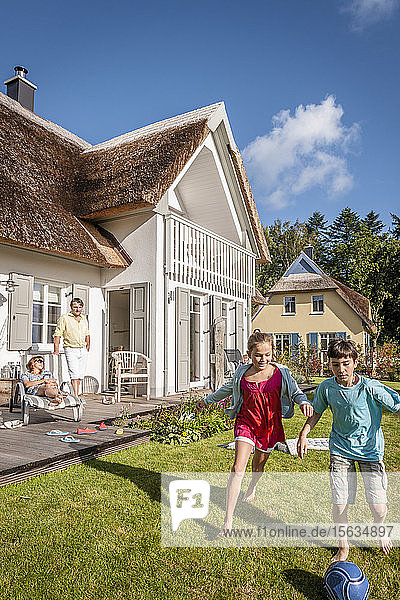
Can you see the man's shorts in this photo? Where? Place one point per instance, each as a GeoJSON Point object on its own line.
{"type": "Point", "coordinates": [244, 433]}
{"type": "Point", "coordinates": [343, 480]}
{"type": "Point", "coordinates": [76, 361]}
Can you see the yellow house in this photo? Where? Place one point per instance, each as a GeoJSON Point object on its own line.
{"type": "Point", "coordinates": [308, 305]}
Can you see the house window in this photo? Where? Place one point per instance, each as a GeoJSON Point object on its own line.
{"type": "Point", "coordinates": [290, 305]}
{"type": "Point", "coordinates": [317, 304]}
{"type": "Point", "coordinates": [326, 339]}
{"type": "Point", "coordinates": [46, 311]}
{"type": "Point", "coordinates": [282, 342]}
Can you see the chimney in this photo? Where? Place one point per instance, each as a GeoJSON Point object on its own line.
{"type": "Point", "coordinates": [309, 250]}
{"type": "Point", "coordinates": [20, 89]}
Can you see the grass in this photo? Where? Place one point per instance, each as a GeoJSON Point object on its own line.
{"type": "Point", "coordinates": [93, 532]}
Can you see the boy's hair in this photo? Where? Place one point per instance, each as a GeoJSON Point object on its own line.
{"type": "Point", "coordinates": [77, 300]}
{"type": "Point", "coordinates": [258, 337]}
{"type": "Point", "coordinates": [342, 349]}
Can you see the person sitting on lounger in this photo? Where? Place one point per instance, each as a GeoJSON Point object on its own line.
{"type": "Point", "coordinates": [39, 382]}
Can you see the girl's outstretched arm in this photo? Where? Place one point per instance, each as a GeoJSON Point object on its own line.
{"type": "Point", "coordinates": [220, 394]}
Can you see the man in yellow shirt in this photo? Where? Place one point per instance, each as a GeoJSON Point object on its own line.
{"type": "Point", "coordinates": [73, 328]}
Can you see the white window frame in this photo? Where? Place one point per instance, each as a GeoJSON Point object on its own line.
{"type": "Point", "coordinates": [330, 336]}
{"type": "Point", "coordinates": [282, 337]}
{"type": "Point", "coordinates": [317, 298]}
{"type": "Point", "coordinates": [288, 300]}
{"type": "Point", "coordinates": [45, 345]}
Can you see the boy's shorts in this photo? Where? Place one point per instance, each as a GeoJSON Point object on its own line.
{"type": "Point", "coordinates": [343, 480]}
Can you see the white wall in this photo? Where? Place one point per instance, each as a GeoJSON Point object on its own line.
{"type": "Point", "coordinates": [59, 270]}
{"type": "Point", "coordinates": [142, 236]}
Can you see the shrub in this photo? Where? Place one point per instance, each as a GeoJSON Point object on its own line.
{"type": "Point", "coordinates": [180, 424]}
{"type": "Point", "coordinates": [303, 361]}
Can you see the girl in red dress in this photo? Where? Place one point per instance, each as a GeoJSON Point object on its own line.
{"type": "Point", "coordinates": [261, 391]}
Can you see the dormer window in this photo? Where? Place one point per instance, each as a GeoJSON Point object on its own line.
{"type": "Point", "coordinates": [290, 305]}
{"type": "Point", "coordinates": [318, 304]}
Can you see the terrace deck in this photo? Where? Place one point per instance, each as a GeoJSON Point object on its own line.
{"type": "Point", "coordinates": [26, 451]}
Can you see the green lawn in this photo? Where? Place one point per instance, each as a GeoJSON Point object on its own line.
{"type": "Point", "coordinates": [93, 532]}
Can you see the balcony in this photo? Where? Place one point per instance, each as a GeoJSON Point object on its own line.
{"type": "Point", "coordinates": [205, 260]}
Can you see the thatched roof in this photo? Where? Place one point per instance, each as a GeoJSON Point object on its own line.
{"type": "Point", "coordinates": [301, 282]}
{"type": "Point", "coordinates": [37, 168]}
{"type": "Point", "coordinates": [313, 282]}
{"type": "Point", "coordinates": [137, 171]}
{"type": "Point", "coordinates": [258, 298]}
{"type": "Point", "coordinates": [250, 204]}
{"type": "Point", "coordinates": [61, 180]}
{"type": "Point", "coordinates": [360, 304]}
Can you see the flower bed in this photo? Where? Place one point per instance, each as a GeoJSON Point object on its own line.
{"type": "Point", "coordinates": [180, 424]}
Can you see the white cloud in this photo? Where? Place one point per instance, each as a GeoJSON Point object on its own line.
{"type": "Point", "coordinates": [301, 152]}
{"type": "Point", "coordinates": [368, 12]}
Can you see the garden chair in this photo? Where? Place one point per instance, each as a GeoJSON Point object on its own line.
{"type": "Point", "coordinates": [233, 359]}
{"type": "Point", "coordinates": [29, 401]}
{"type": "Point", "coordinates": [132, 368]}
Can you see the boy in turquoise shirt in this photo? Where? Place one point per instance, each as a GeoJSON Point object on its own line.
{"type": "Point", "coordinates": [356, 436]}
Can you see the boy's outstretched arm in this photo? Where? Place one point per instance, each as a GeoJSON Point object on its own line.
{"type": "Point", "coordinates": [308, 426]}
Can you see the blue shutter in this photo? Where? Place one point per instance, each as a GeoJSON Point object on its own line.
{"type": "Point", "coordinates": [342, 335]}
{"type": "Point", "coordinates": [313, 340]}
{"type": "Point", "coordinates": [294, 343]}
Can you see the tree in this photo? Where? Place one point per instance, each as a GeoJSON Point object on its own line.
{"type": "Point", "coordinates": [373, 222]}
{"type": "Point", "coordinates": [395, 231]}
{"type": "Point", "coordinates": [285, 242]}
{"type": "Point", "coordinates": [316, 226]}
{"type": "Point", "coordinates": [341, 255]}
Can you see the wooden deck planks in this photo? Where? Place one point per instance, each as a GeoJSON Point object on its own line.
{"type": "Point", "coordinates": [27, 451]}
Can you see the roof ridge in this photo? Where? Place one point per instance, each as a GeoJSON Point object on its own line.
{"type": "Point", "coordinates": [198, 114]}
{"type": "Point", "coordinates": [42, 122]}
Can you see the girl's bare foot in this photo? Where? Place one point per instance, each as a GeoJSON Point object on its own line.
{"type": "Point", "coordinates": [226, 529]}
{"type": "Point", "coordinates": [249, 495]}
{"type": "Point", "coordinates": [386, 545]}
{"type": "Point", "coordinates": [341, 554]}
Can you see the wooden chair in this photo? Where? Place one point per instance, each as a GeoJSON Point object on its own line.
{"type": "Point", "coordinates": [132, 368]}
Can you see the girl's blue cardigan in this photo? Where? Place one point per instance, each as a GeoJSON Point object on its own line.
{"type": "Point", "coordinates": [290, 392]}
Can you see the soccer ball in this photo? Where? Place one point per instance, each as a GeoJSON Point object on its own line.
{"type": "Point", "coordinates": [344, 580]}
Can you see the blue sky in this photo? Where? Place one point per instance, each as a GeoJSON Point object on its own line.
{"type": "Point", "coordinates": [311, 86]}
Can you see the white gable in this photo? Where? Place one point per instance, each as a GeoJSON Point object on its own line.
{"type": "Point", "coordinates": [303, 264]}
{"type": "Point", "coordinates": [205, 198]}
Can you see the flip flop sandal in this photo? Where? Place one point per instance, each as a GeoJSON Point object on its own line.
{"type": "Point", "coordinates": [85, 431]}
{"type": "Point", "coordinates": [69, 439]}
{"type": "Point", "coordinates": [102, 426]}
{"type": "Point", "coordinates": [12, 424]}
{"type": "Point", "coordinates": [57, 432]}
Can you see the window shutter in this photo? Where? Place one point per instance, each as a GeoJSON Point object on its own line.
{"type": "Point", "coordinates": [216, 308]}
{"type": "Point", "coordinates": [140, 311]}
{"type": "Point", "coordinates": [182, 339]}
{"type": "Point", "coordinates": [294, 343]}
{"type": "Point", "coordinates": [239, 327]}
{"type": "Point", "coordinates": [313, 340]}
{"type": "Point", "coordinates": [20, 310]}
{"type": "Point", "coordinates": [82, 292]}
{"type": "Point", "coordinates": [342, 335]}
